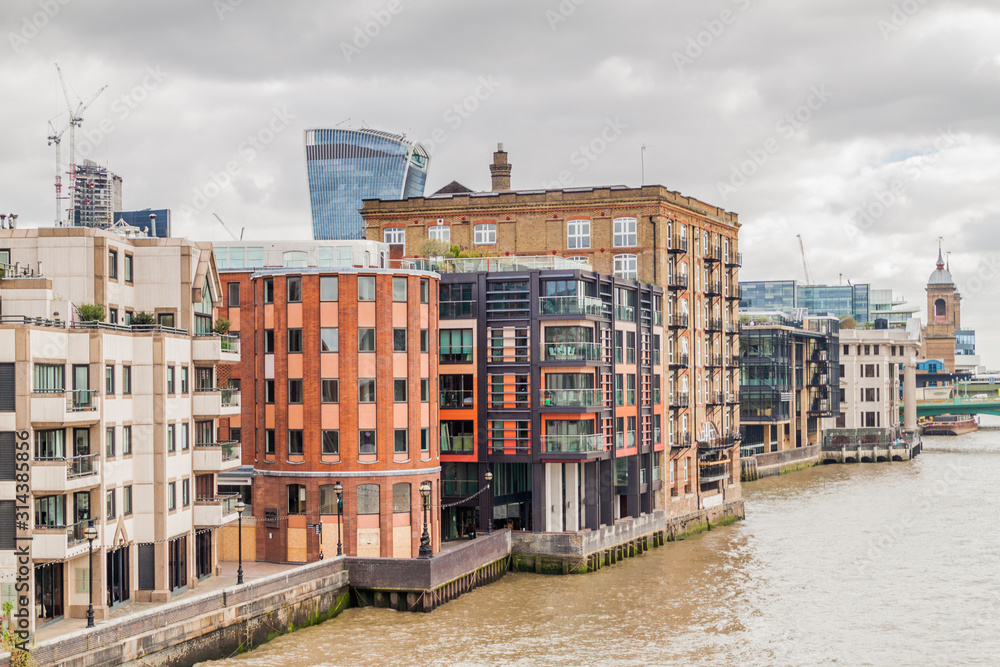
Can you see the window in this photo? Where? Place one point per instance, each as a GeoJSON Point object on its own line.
{"type": "Point", "coordinates": [366, 442]}
{"type": "Point", "coordinates": [295, 391]}
{"type": "Point", "coordinates": [330, 391]}
{"type": "Point", "coordinates": [50, 377]}
{"type": "Point", "coordinates": [394, 236]}
{"type": "Point", "coordinates": [294, 289]}
{"type": "Point", "coordinates": [399, 288]}
{"type": "Point", "coordinates": [268, 290]}
{"type": "Point", "coordinates": [269, 441]}
{"type": "Point", "coordinates": [627, 266]}
{"type": "Point", "coordinates": [233, 296]}
{"type": "Point", "coordinates": [578, 234]}
{"type": "Point", "coordinates": [366, 340]}
{"type": "Point", "coordinates": [184, 380]}
{"type": "Point", "coordinates": [129, 259]}
{"type": "Point", "coordinates": [331, 443]}
{"type": "Point", "coordinates": [455, 346]}
{"type": "Point", "coordinates": [113, 264]}
{"type": "Point", "coordinates": [439, 233]}
{"type": "Point", "coordinates": [401, 497]}
{"type": "Point", "coordinates": [185, 492]}
{"type": "Point", "coordinates": [172, 496]}
{"type": "Point", "coordinates": [399, 340]}
{"type": "Point", "coordinates": [203, 378]}
{"type": "Point", "coordinates": [425, 290]}
{"type": "Point", "coordinates": [171, 438]}
{"type": "Point", "coordinates": [366, 391]}
{"type": "Point", "coordinates": [127, 500]}
{"type": "Point", "coordinates": [109, 442]}
{"type": "Point", "coordinates": [424, 341]}
{"type": "Point", "coordinates": [399, 444]}
{"type": "Point", "coordinates": [399, 391]}
{"type": "Point", "coordinates": [625, 233]}
{"type": "Point", "coordinates": [366, 288]}
{"type": "Point", "coordinates": [50, 444]}
{"type": "Point", "coordinates": [296, 499]}
{"type": "Point", "coordinates": [367, 499]}
{"type": "Point", "coordinates": [295, 447]}
{"type": "Point", "coordinates": [126, 440]}
{"type": "Point", "coordinates": [110, 504]}
{"type": "Point", "coordinates": [295, 259]}
{"type": "Point", "coordinates": [328, 288]}
{"type": "Point", "coordinates": [294, 341]}
{"type": "Point", "coordinates": [112, 315]}
{"type": "Point", "coordinates": [269, 391]}
{"type": "Point", "coordinates": [165, 320]}
{"type": "Point", "coordinates": [170, 379]}
{"type": "Point", "coordinates": [329, 339]}
{"type": "Point", "coordinates": [425, 385]}
{"type": "Point", "coordinates": [109, 380]}
{"type": "Point", "coordinates": [127, 380]}
{"type": "Point", "coordinates": [485, 234]}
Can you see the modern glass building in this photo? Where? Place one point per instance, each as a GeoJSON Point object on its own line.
{"type": "Point", "coordinates": [345, 166]}
{"type": "Point", "coordinates": [788, 295]}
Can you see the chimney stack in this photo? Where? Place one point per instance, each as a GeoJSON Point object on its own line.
{"type": "Point", "coordinates": [500, 170]}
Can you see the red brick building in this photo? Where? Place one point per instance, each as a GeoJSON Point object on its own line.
{"type": "Point", "coordinates": [340, 376]}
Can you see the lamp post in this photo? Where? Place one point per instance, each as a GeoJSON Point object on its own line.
{"type": "Point", "coordinates": [91, 534]}
{"type": "Point", "coordinates": [489, 503]}
{"type": "Point", "coordinates": [338, 489]}
{"type": "Point", "coordinates": [425, 539]}
{"type": "Point", "coordinates": [240, 506]}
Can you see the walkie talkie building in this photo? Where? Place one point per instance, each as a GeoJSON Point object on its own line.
{"type": "Point", "coordinates": [345, 166]}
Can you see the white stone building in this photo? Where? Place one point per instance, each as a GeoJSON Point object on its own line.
{"type": "Point", "coordinates": [870, 365]}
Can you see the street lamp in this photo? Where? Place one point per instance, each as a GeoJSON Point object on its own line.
{"type": "Point", "coordinates": [338, 488]}
{"type": "Point", "coordinates": [489, 506]}
{"type": "Point", "coordinates": [91, 534]}
{"type": "Point", "coordinates": [425, 539]}
{"type": "Point", "coordinates": [240, 506]}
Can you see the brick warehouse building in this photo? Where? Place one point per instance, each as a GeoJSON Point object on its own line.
{"type": "Point", "coordinates": [551, 380]}
{"type": "Point", "coordinates": [365, 419]}
{"type": "Point", "coordinates": [650, 234]}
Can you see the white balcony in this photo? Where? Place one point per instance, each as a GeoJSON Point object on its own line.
{"type": "Point", "coordinates": [216, 402]}
{"type": "Point", "coordinates": [216, 348]}
{"type": "Point", "coordinates": [70, 407]}
{"type": "Point", "coordinates": [62, 542]}
{"type": "Point", "coordinates": [216, 456]}
{"type": "Point", "coordinates": [218, 511]}
{"type": "Point", "coordinates": [51, 476]}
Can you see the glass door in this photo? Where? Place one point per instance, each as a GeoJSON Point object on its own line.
{"type": "Point", "coordinates": [118, 576]}
{"type": "Point", "coordinates": [81, 386]}
{"type": "Point", "coordinates": [48, 591]}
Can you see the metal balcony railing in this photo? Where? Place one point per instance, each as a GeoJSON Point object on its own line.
{"type": "Point", "coordinates": [573, 444]}
{"type": "Point", "coordinates": [734, 259]}
{"type": "Point", "coordinates": [679, 361]}
{"type": "Point", "coordinates": [457, 310]}
{"type": "Point", "coordinates": [678, 321]}
{"type": "Point", "coordinates": [677, 282]}
{"type": "Point", "coordinates": [82, 400]}
{"type": "Point", "coordinates": [677, 244]}
{"type": "Point", "coordinates": [81, 466]}
{"type": "Point", "coordinates": [680, 400]}
{"type": "Point", "coordinates": [571, 305]}
{"type": "Point", "coordinates": [573, 398]}
{"type": "Point", "coordinates": [456, 398]}
{"type": "Point", "coordinates": [582, 351]}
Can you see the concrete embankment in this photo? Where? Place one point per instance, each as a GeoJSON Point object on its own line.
{"type": "Point", "coordinates": [770, 464]}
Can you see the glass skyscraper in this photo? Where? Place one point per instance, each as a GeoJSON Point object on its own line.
{"type": "Point", "coordinates": [346, 166]}
{"type": "Point", "coordinates": [787, 295]}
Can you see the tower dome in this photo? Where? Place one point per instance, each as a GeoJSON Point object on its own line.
{"type": "Point", "coordinates": [941, 275]}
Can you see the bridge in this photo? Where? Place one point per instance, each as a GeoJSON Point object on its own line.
{"type": "Point", "coordinates": [959, 405]}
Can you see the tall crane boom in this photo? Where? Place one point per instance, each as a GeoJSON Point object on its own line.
{"type": "Point", "coordinates": [75, 120]}
{"type": "Point", "coordinates": [226, 227]}
{"type": "Point", "coordinates": [805, 267]}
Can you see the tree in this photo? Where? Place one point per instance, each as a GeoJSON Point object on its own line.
{"type": "Point", "coordinates": [91, 312]}
{"type": "Point", "coordinates": [143, 317]}
{"type": "Point", "coordinates": [222, 326]}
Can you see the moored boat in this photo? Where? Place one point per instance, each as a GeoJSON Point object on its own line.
{"type": "Point", "coordinates": [950, 425]}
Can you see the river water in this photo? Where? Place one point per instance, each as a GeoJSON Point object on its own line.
{"type": "Point", "coordinates": [865, 564]}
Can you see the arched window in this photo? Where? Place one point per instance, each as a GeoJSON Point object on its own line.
{"type": "Point", "coordinates": [367, 499]}
{"type": "Point", "coordinates": [940, 310]}
{"type": "Point", "coordinates": [401, 497]}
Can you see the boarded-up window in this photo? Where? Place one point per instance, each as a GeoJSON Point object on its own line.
{"type": "Point", "coordinates": [6, 387]}
{"type": "Point", "coordinates": [8, 533]}
{"type": "Point", "coordinates": [147, 567]}
{"type": "Point", "coordinates": [7, 456]}
{"type": "Point", "coordinates": [327, 499]}
{"type": "Point", "coordinates": [401, 497]}
{"type": "Point", "coordinates": [368, 499]}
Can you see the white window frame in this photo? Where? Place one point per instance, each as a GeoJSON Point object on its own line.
{"type": "Point", "coordinates": [394, 235]}
{"type": "Point", "coordinates": [579, 258]}
{"type": "Point", "coordinates": [439, 233]}
{"type": "Point", "coordinates": [578, 234]}
{"type": "Point", "coordinates": [626, 233]}
{"type": "Point", "coordinates": [485, 233]}
{"type": "Point", "coordinates": [626, 266]}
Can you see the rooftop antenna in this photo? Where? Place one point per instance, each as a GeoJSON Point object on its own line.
{"type": "Point", "coordinates": [642, 159]}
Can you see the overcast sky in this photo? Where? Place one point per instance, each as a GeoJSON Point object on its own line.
{"type": "Point", "coordinates": [870, 127]}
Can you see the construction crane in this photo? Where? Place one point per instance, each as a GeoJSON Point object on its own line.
{"type": "Point", "coordinates": [805, 267]}
{"type": "Point", "coordinates": [75, 121]}
{"type": "Point", "coordinates": [226, 227]}
{"type": "Point", "coordinates": [56, 138]}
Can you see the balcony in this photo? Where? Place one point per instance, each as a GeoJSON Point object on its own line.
{"type": "Point", "coordinates": [63, 475]}
{"type": "Point", "coordinates": [678, 321]}
{"type": "Point", "coordinates": [819, 406]}
{"type": "Point", "coordinates": [734, 259]}
{"type": "Point", "coordinates": [679, 361]}
{"type": "Point", "coordinates": [215, 348]}
{"type": "Point", "coordinates": [573, 398]}
{"type": "Point", "coordinates": [713, 361]}
{"type": "Point", "coordinates": [819, 379]}
{"type": "Point", "coordinates": [461, 488]}
{"type": "Point", "coordinates": [457, 310]}
{"type": "Point", "coordinates": [732, 329]}
{"type": "Point", "coordinates": [455, 354]}
{"type": "Point", "coordinates": [732, 398]}
{"type": "Point", "coordinates": [735, 293]}
{"type": "Point", "coordinates": [624, 439]}
{"type": "Point", "coordinates": [680, 400]}
{"type": "Point", "coordinates": [715, 398]}
{"type": "Point", "coordinates": [677, 244]}
{"type": "Point", "coordinates": [456, 399]}
{"type": "Point", "coordinates": [625, 313]}
{"type": "Point", "coordinates": [215, 511]}
{"type": "Point", "coordinates": [657, 318]}
{"type": "Point", "coordinates": [570, 351]}
{"type": "Point", "coordinates": [713, 472]}
{"type": "Point", "coordinates": [216, 456]}
{"type": "Point", "coordinates": [713, 254]}
{"type": "Point", "coordinates": [215, 402]}
{"type": "Point", "coordinates": [66, 407]}
{"type": "Point", "coordinates": [457, 444]}
{"type": "Point", "coordinates": [748, 449]}
{"type": "Point", "coordinates": [681, 440]}
{"type": "Point", "coordinates": [713, 324]}
{"type": "Point", "coordinates": [573, 444]}
{"type": "Point", "coordinates": [677, 282]}
{"type": "Point", "coordinates": [713, 288]}
{"type": "Point", "coordinates": [820, 356]}
{"type": "Point", "coordinates": [571, 305]}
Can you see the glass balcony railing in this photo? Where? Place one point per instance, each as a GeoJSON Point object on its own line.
{"type": "Point", "coordinates": [456, 354]}
{"type": "Point", "coordinates": [625, 313]}
{"type": "Point", "coordinates": [230, 398]}
{"type": "Point", "coordinates": [624, 439]}
{"type": "Point", "coordinates": [571, 305]}
{"type": "Point", "coordinates": [459, 487]}
{"type": "Point", "coordinates": [570, 351]}
{"type": "Point", "coordinates": [457, 444]}
{"type": "Point", "coordinates": [230, 344]}
{"type": "Point", "coordinates": [456, 398]}
{"type": "Point", "coordinates": [76, 533]}
{"type": "Point", "coordinates": [81, 466]}
{"type": "Point", "coordinates": [456, 310]}
{"type": "Point", "coordinates": [657, 318]}
{"type": "Point", "coordinates": [573, 398]}
{"type": "Point", "coordinates": [81, 400]}
{"type": "Point", "coordinates": [573, 444]}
